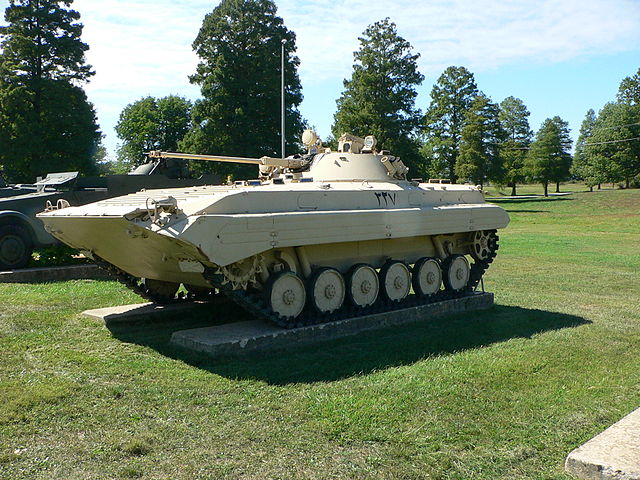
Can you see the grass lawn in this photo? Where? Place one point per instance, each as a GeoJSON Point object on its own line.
{"type": "Point", "coordinates": [505, 393]}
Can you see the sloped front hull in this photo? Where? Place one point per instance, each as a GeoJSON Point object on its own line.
{"type": "Point", "coordinates": [135, 250]}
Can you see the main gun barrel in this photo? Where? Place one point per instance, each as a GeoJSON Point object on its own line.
{"type": "Point", "coordinates": [209, 158]}
{"type": "Point", "coordinates": [267, 161]}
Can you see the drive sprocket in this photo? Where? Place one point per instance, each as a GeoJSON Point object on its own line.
{"type": "Point", "coordinates": [242, 273]}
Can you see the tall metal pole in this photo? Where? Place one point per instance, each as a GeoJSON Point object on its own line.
{"type": "Point", "coordinates": [282, 95]}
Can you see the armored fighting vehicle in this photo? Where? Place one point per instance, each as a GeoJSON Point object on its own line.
{"type": "Point", "coordinates": [315, 237]}
{"type": "Point", "coordinates": [21, 232]}
{"type": "Point", "coordinates": [13, 190]}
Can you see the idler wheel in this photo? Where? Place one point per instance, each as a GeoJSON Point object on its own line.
{"type": "Point", "coordinates": [427, 277]}
{"type": "Point", "coordinates": [286, 294]}
{"type": "Point", "coordinates": [363, 285]}
{"type": "Point", "coordinates": [456, 272]}
{"type": "Point", "coordinates": [159, 290]}
{"type": "Point", "coordinates": [395, 279]}
{"type": "Point", "coordinates": [326, 290]}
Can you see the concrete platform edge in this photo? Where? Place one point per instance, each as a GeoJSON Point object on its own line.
{"type": "Point", "coordinates": [150, 312]}
{"type": "Point", "coordinates": [614, 454]}
{"type": "Point", "coordinates": [257, 335]}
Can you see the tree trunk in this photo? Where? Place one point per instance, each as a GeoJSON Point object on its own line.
{"type": "Point", "coordinates": [591, 188]}
{"type": "Point", "coordinates": [599, 186]}
{"type": "Point", "coordinates": [557, 187]}
{"type": "Point", "coordinates": [546, 189]}
{"type": "Point", "coordinates": [513, 189]}
{"type": "Point", "coordinates": [626, 182]}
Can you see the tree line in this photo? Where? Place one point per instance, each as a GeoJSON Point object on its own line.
{"type": "Point", "coordinates": [47, 123]}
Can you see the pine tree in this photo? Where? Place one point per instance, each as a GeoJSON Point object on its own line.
{"type": "Point", "coordinates": [239, 45]}
{"type": "Point", "coordinates": [379, 99]}
{"type": "Point", "coordinates": [562, 169]}
{"type": "Point", "coordinates": [629, 90]}
{"type": "Point", "coordinates": [46, 121]}
{"type": "Point", "coordinates": [152, 124]}
{"type": "Point", "coordinates": [480, 141]}
{"type": "Point", "coordinates": [514, 118]}
{"type": "Point", "coordinates": [549, 159]}
{"type": "Point", "coordinates": [451, 97]}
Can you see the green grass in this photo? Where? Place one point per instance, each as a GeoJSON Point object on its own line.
{"type": "Point", "coordinates": [505, 393]}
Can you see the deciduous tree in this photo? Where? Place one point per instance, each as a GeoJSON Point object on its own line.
{"type": "Point", "coordinates": [614, 142]}
{"type": "Point", "coordinates": [152, 124]}
{"type": "Point", "coordinates": [239, 46]}
{"type": "Point", "coordinates": [379, 99]}
{"type": "Point", "coordinates": [586, 166]}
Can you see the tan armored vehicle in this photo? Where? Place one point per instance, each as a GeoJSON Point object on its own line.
{"type": "Point", "coordinates": [316, 237]}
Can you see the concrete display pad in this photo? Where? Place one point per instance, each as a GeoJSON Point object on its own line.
{"type": "Point", "coordinates": [139, 312]}
{"type": "Point", "coordinates": [53, 274]}
{"type": "Point", "coordinates": [612, 455]}
{"type": "Point", "coordinates": [258, 335]}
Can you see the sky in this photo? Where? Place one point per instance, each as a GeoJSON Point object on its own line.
{"type": "Point", "coordinates": [561, 57]}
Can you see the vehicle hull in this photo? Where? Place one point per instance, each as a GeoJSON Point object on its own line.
{"type": "Point", "coordinates": [333, 238]}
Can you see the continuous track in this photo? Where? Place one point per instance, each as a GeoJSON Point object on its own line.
{"type": "Point", "coordinates": [135, 284]}
{"type": "Point", "coordinates": [256, 303]}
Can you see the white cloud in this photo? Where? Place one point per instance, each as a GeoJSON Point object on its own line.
{"type": "Point", "coordinates": [143, 47]}
{"type": "Point", "coordinates": [481, 34]}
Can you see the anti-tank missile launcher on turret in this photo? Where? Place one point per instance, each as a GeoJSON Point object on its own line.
{"type": "Point", "coordinates": [316, 237]}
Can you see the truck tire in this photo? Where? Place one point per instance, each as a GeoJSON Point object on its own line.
{"type": "Point", "coordinates": [16, 246]}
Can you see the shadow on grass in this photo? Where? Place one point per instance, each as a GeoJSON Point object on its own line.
{"type": "Point", "coordinates": [358, 354]}
{"type": "Point", "coordinates": [527, 200]}
{"type": "Point", "coordinates": [515, 210]}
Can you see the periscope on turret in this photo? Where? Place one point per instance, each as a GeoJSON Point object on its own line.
{"type": "Point", "coordinates": [315, 237]}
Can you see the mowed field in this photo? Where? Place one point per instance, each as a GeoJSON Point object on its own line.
{"type": "Point", "coordinates": [504, 393]}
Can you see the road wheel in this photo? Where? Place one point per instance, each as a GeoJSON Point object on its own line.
{"type": "Point", "coordinates": [200, 293]}
{"type": "Point", "coordinates": [456, 272]}
{"type": "Point", "coordinates": [326, 290]}
{"type": "Point", "coordinates": [159, 290]}
{"type": "Point", "coordinates": [16, 247]}
{"type": "Point", "coordinates": [395, 280]}
{"type": "Point", "coordinates": [427, 277]}
{"type": "Point", "coordinates": [363, 285]}
{"type": "Point", "coordinates": [286, 295]}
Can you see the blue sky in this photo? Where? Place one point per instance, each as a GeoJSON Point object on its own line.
{"type": "Point", "coordinates": [561, 57]}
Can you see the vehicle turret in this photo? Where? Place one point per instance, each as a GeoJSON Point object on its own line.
{"type": "Point", "coordinates": [355, 160]}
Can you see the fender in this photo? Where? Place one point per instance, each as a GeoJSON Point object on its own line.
{"type": "Point", "coordinates": [35, 227]}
